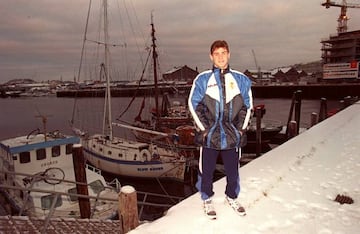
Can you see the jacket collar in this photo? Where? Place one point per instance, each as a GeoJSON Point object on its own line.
{"type": "Point", "coordinates": [227, 70]}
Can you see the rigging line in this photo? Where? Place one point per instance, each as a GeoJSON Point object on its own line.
{"type": "Point", "coordinates": [136, 91]}
{"type": "Point", "coordinates": [123, 36]}
{"type": "Point", "coordinates": [103, 43]}
{"type": "Point", "coordinates": [121, 21]}
{"type": "Point", "coordinates": [84, 40]}
{"type": "Point", "coordinates": [137, 20]}
{"type": "Point", "coordinates": [81, 59]}
{"type": "Point", "coordinates": [96, 53]}
{"type": "Point", "coordinates": [164, 190]}
{"type": "Point", "coordinates": [133, 31]}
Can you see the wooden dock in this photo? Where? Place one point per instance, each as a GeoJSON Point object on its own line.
{"type": "Point", "coordinates": [310, 91]}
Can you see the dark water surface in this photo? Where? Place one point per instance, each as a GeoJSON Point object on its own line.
{"type": "Point", "coordinates": [20, 116]}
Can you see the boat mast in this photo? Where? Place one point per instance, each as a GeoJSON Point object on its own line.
{"type": "Point", "coordinates": [107, 127]}
{"type": "Point", "coordinates": [155, 55]}
{"type": "Point", "coordinates": [81, 61]}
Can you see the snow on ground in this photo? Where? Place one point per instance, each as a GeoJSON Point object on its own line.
{"type": "Point", "coordinates": [290, 189]}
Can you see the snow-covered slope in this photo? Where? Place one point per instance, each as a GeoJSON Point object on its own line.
{"type": "Point", "coordinates": [291, 189]}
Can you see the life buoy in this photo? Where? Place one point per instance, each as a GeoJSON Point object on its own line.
{"type": "Point", "coordinates": [145, 155]}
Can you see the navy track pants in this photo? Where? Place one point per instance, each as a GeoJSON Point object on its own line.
{"type": "Point", "coordinates": [207, 164]}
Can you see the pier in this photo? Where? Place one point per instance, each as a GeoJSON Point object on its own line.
{"type": "Point", "coordinates": [310, 91]}
{"type": "Point", "coordinates": [310, 184]}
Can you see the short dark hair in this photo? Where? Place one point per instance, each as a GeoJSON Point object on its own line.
{"type": "Point", "coordinates": [219, 44]}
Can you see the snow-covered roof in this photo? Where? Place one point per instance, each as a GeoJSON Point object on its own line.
{"type": "Point", "coordinates": [283, 69]}
{"type": "Point", "coordinates": [290, 189]}
{"type": "Point", "coordinates": [256, 71]}
{"type": "Point", "coordinates": [174, 69]}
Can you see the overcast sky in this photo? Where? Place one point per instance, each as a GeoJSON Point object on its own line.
{"type": "Point", "coordinates": [42, 39]}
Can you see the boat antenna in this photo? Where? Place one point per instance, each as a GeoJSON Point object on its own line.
{"type": "Point", "coordinates": [44, 122]}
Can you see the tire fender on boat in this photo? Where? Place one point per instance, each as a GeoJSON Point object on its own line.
{"type": "Point", "coordinates": [145, 155]}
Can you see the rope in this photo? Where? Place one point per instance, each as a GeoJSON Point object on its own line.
{"type": "Point", "coordinates": [136, 91]}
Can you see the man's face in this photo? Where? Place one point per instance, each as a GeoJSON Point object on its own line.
{"type": "Point", "coordinates": [220, 57]}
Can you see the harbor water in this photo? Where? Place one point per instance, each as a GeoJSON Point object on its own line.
{"type": "Point", "coordinates": [20, 116]}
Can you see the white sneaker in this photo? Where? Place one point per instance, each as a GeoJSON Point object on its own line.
{"type": "Point", "coordinates": [233, 203]}
{"type": "Point", "coordinates": [209, 209]}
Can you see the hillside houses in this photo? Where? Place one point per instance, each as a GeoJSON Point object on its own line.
{"type": "Point", "coordinates": [287, 75]}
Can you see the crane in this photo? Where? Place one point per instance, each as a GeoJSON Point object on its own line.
{"type": "Point", "coordinates": [257, 66]}
{"type": "Point", "coordinates": [343, 18]}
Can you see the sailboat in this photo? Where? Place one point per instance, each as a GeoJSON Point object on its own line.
{"type": "Point", "coordinates": [120, 155]}
{"type": "Point", "coordinates": [171, 125]}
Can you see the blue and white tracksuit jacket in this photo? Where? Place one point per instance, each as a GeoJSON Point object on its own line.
{"type": "Point", "coordinates": [220, 102]}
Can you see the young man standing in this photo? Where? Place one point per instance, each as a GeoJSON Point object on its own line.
{"type": "Point", "coordinates": [220, 102]}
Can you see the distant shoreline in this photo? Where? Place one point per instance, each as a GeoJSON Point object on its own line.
{"type": "Point", "coordinates": [313, 91]}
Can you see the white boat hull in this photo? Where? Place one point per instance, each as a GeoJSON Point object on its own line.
{"type": "Point", "coordinates": [45, 168]}
{"type": "Point", "coordinates": [134, 159]}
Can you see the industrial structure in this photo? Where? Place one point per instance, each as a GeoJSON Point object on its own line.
{"type": "Point", "coordinates": [341, 52]}
{"type": "Point", "coordinates": [343, 18]}
{"type": "Point", "coordinates": [341, 48]}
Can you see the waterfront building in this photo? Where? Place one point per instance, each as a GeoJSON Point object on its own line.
{"type": "Point", "coordinates": [341, 48]}
{"type": "Point", "coordinates": [184, 74]}
{"type": "Point", "coordinates": [341, 57]}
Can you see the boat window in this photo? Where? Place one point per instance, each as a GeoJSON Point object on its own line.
{"type": "Point", "coordinates": [24, 157]}
{"type": "Point", "coordinates": [40, 154]}
{"type": "Point", "coordinates": [97, 186]}
{"type": "Point", "coordinates": [55, 151]}
{"type": "Point", "coordinates": [47, 200]}
{"type": "Point", "coordinates": [143, 147]}
{"type": "Point", "coordinates": [73, 191]}
{"type": "Point", "coordinates": [109, 152]}
{"type": "Point", "coordinates": [69, 148]}
{"type": "Point", "coordinates": [100, 149]}
{"type": "Point", "coordinates": [121, 155]}
{"type": "Point", "coordinates": [94, 146]}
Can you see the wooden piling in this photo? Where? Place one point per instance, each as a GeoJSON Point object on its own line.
{"type": "Point", "coordinates": [313, 119]}
{"type": "Point", "coordinates": [347, 101]}
{"type": "Point", "coordinates": [298, 96]}
{"type": "Point", "coordinates": [258, 114]}
{"type": "Point", "coordinates": [128, 210]}
{"type": "Point", "coordinates": [80, 178]}
{"type": "Point", "coordinates": [323, 109]}
{"type": "Point", "coordinates": [292, 129]}
{"type": "Point", "coordinates": [290, 115]}
{"type": "Point", "coordinates": [295, 103]}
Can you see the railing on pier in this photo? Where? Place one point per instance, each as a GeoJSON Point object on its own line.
{"type": "Point", "coordinates": [144, 201]}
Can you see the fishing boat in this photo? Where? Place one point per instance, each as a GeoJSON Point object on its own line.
{"type": "Point", "coordinates": [37, 178]}
{"type": "Point", "coordinates": [120, 155]}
